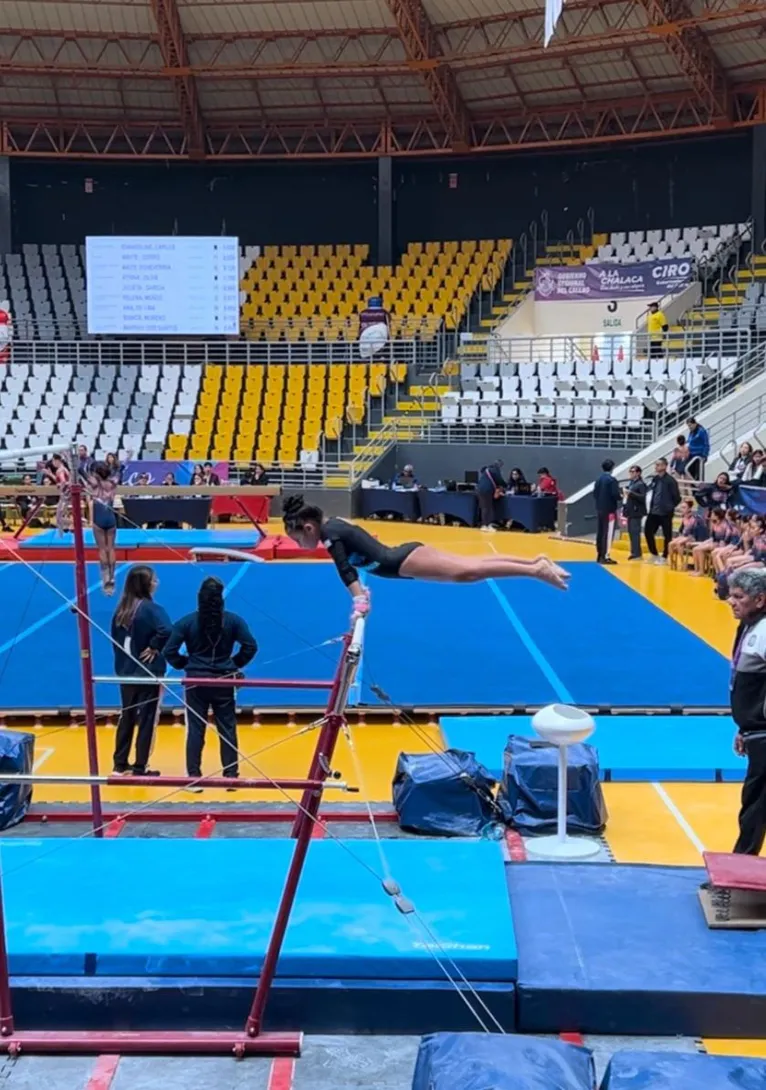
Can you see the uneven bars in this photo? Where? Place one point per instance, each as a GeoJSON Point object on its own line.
{"type": "Point", "coordinates": [218, 682]}
{"type": "Point", "coordinates": [228, 782]}
{"type": "Point", "coordinates": [33, 452]}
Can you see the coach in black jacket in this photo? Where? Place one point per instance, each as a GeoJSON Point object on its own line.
{"type": "Point", "coordinates": [666, 496]}
{"type": "Point", "coordinates": [607, 496]}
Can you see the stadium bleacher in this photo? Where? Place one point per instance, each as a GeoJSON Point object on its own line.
{"type": "Point", "coordinates": [696, 243]}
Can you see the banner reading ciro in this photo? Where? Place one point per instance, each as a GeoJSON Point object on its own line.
{"type": "Point", "coordinates": [6, 335]}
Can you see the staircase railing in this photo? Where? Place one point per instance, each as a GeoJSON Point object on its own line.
{"type": "Point", "coordinates": [373, 450]}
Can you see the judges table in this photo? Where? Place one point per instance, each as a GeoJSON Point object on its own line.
{"type": "Point", "coordinates": [191, 511]}
{"type": "Point", "coordinates": [534, 513]}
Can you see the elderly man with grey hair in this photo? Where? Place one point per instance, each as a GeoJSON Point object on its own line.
{"type": "Point", "coordinates": [747, 598]}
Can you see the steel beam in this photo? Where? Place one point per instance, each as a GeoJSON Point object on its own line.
{"type": "Point", "coordinates": [566, 125]}
{"type": "Point", "coordinates": [692, 50]}
{"type": "Point", "coordinates": [423, 49]}
{"type": "Point", "coordinates": [175, 57]}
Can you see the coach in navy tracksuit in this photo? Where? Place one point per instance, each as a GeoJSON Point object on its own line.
{"type": "Point", "coordinates": [607, 496]}
{"type": "Point", "coordinates": [140, 629]}
{"type": "Point", "coordinates": [210, 635]}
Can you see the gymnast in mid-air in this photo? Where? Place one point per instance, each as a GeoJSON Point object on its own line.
{"type": "Point", "coordinates": [352, 548]}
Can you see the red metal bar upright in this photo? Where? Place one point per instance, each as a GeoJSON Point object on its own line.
{"type": "Point", "coordinates": [86, 652]}
{"type": "Point", "coordinates": [303, 825]}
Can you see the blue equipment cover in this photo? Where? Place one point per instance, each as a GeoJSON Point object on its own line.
{"type": "Point", "coordinates": [17, 755]}
{"type": "Point", "coordinates": [683, 1071]}
{"type": "Point", "coordinates": [480, 1061]}
{"type": "Point", "coordinates": [528, 790]}
{"type": "Point", "coordinates": [447, 794]}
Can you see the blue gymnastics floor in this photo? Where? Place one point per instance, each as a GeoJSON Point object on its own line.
{"type": "Point", "coordinates": [496, 644]}
{"type": "Point", "coordinates": [205, 908]}
{"type": "Point", "coordinates": [626, 950]}
{"type": "Point", "coordinates": [695, 748]}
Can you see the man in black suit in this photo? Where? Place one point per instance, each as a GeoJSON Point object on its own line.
{"type": "Point", "coordinates": [607, 495]}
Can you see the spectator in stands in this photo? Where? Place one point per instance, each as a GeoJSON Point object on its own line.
{"type": "Point", "coordinates": [210, 635]}
{"type": "Point", "coordinates": [209, 477]}
{"type": "Point", "coordinates": [374, 315]}
{"type": "Point", "coordinates": [753, 551]}
{"type": "Point", "coordinates": [547, 485]}
{"type": "Point", "coordinates": [405, 479]}
{"type": "Point", "coordinates": [198, 476]}
{"type": "Point", "coordinates": [717, 494]}
{"type": "Point", "coordinates": [256, 475]}
{"type": "Point", "coordinates": [518, 485]}
{"type": "Point", "coordinates": [168, 480]}
{"type": "Point", "coordinates": [718, 529]}
{"type": "Point", "coordinates": [85, 462]}
{"type": "Point", "coordinates": [140, 629]}
{"type": "Point", "coordinates": [748, 703]}
{"type": "Point", "coordinates": [756, 470]}
{"type": "Point", "coordinates": [489, 489]}
{"type": "Point", "coordinates": [679, 457]}
{"type": "Point", "coordinates": [666, 496]}
{"type": "Point", "coordinates": [691, 531]}
{"type": "Point", "coordinates": [699, 449]}
{"type": "Point", "coordinates": [115, 469]}
{"type": "Point", "coordinates": [607, 496]}
{"type": "Point", "coordinates": [736, 541]}
{"type": "Point", "coordinates": [635, 509]}
{"type": "Point", "coordinates": [741, 461]}
{"type": "Point", "coordinates": [656, 327]}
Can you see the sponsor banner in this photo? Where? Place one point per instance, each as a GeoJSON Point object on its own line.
{"type": "Point", "coordinates": [650, 279]}
{"type": "Point", "coordinates": [158, 470]}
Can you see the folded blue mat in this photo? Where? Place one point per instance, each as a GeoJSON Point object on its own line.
{"type": "Point", "coordinates": [691, 748]}
{"type": "Point", "coordinates": [482, 1061]}
{"type": "Point", "coordinates": [683, 1071]}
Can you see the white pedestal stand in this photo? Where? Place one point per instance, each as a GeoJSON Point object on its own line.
{"type": "Point", "coordinates": [562, 726]}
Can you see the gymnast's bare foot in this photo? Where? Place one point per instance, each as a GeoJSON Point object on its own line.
{"type": "Point", "coordinates": [543, 559]}
{"type": "Point", "coordinates": [550, 573]}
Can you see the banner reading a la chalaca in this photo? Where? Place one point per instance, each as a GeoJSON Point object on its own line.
{"type": "Point", "coordinates": [650, 279]}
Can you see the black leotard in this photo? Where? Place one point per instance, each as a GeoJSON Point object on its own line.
{"type": "Point", "coordinates": [351, 547]}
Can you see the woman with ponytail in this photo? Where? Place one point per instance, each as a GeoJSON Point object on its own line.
{"type": "Point", "coordinates": [350, 547]}
{"type": "Point", "coordinates": [209, 636]}
{"type": "Point", "coordinates": [140, 629]}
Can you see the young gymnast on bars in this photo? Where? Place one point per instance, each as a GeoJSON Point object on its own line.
{"type": "Point", "coordinates": [351, 547]}
{"type": "Point", "coordinates": [101, 491]}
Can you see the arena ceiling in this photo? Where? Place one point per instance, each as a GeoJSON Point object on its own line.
{"type": "Point", "coordinates": [248, 79]}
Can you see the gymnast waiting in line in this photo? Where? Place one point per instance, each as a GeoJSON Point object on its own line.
{"type": "Point", "coordinates": [351, 548]}
{"type": "Point", "coordinates": [102, 490]}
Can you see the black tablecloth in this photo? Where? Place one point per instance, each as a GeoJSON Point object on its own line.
{"type": "Point", "coordinates": [534, 513]}
{"type": "Point", "coordinates": [194, 511]}
{"type": "Point", "coordinates": [387, 501]}
{"type": "Point", "coordinates": [456, 505]}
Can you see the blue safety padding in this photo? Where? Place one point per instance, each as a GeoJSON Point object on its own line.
{"type": "Point", "coordinates": [295, 609]}
{"type": "Point", "coordinates": [17, 756]}
{"type": "Point", "coordinates": [132, 539]}
{"type": "Point", "coordinates": [443, 794]}
{"type": "Point", "coordinates": [528, 795]}
{"type": "Point", "coordinates": [133, 907]}
{"type": "Point", "coordinates": [479, 1061]}
{"type": "Point", "coordinates": [626, 950]}
{"type": "Point", "coordinates": [695, 748]}
{"type": "Point", "coordinates": [683, 1071]}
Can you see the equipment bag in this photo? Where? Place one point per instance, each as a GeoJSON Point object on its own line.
{"type": "Point", "coordinates": [528, 792]}
{"type": "Point", "coordinates": [446, 794]}
{"type": "Point", "coordinates": [17, 755]}
{"type": "Point", "coordinates": [487, 1061]}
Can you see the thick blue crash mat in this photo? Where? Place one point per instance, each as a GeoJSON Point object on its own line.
{"type": "Point", "coordinates": [131, 539]}
{"type": "Point", "coordinates": [626, 950]}
{"type": "Point", "coordinates": [480, 1061]}
{"type": "Point", "coordinates": [681, 1071]}
{"type": "Point", "coordinates": [693, 748]}
{"type": "Point", "coordinates": [205, 908]}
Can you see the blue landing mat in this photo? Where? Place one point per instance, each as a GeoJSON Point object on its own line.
{"type": "Point", "coordinates": [132, 539]}
{"type": "Point", "coordinates": [625, 950]}
{"type": "Point", "coordinates": [683, 1071]}
{"type": "Point", "coordinates": [693, 748]}
{"type": "Point", "coordinates": [529, 644]}
{"type": "Point", "coordinates": [196, 908]}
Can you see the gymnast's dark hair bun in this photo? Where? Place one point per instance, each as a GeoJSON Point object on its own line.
{"type": "Point", "coordinates": [292, 506]}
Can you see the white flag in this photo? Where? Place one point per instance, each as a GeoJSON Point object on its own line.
{"type": "Point", "coordinates": [553, 9]}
